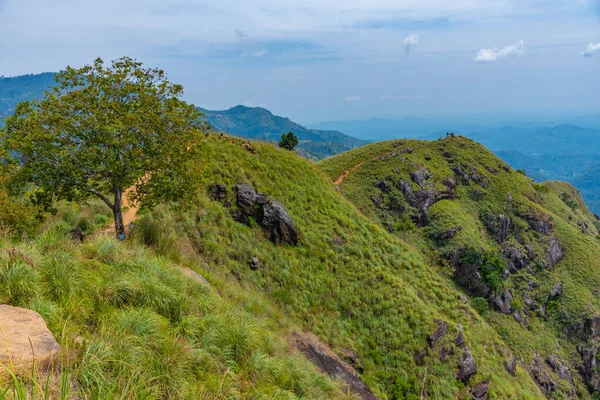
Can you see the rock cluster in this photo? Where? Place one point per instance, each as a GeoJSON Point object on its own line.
{"type": "Point", "coordinates": [270, 214]}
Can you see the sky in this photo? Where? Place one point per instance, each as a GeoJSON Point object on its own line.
{"type": "Point", "coordinates": [315, 60]}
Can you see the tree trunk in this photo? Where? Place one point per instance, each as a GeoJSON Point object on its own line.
{"type": "Point", "coordinates": [118, 213]}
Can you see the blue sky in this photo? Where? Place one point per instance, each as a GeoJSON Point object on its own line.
{"type": "Point", "coordinates": [315, 60]}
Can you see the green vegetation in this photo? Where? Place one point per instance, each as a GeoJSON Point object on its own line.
{"type": "Point", "coordinates": [288, 141]}
{"type": "Point", "coordinates": [467, 218]}
{"type": "Point", "coordinates": [100, 131]}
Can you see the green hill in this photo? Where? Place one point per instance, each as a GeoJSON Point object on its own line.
{"type": "Point", "coordinates": [500, 237]}
{"type": "Point", "coordinates": [16, 89]}
{"type": "Point", "coordinates": [259, 123]}
{"type": "Point", "coordinates": [130, 322]}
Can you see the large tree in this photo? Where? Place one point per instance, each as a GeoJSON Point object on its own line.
{"type": "Point", "coordinates": [101, 130]}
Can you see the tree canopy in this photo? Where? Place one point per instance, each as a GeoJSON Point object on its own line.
{"type": "Point", "coordinates": [288, 141]}
{"type": "Point", "coordinates": [102, 130]}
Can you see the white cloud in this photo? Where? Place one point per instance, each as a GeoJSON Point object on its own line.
{"type": "Point", "coordinates": [260, 53]}
{"type": "Point", "coordinates": [411, 41]}
{"type": "Point", "coordinates": [591, 49]}
{"type": "Point", "coordinates": [351, 99]}
{"type": "Point", "coordinates": [491, 55]}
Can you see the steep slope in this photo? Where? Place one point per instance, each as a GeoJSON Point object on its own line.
{"type": "Point", "coordinates": [527, 254]}
{"type": "Point", "coordinates": [347, 280]}
{"type": "Point", "coordinates": [259, 123]}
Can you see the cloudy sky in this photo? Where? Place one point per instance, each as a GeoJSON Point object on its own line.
{"type": "Point", "coordinates": [315, 60]}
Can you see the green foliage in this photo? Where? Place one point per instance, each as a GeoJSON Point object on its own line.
{"type": "Point", "coordinates": [480, 305]}
{"type": "Point", "coordinates": [491, 269]}
{"type": "Point", "coordinates": [102, 130]}
{"type": "Point", "coordinates": [522, 171]}
{"type": "Point", "coordinates": [288, 141]}
{"type": "Point", "coordinates": [568, 200]}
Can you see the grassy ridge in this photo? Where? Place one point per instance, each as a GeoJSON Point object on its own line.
{"type": "Point", "coordinates": [508, 192]}
{"type": "Point", "coordinates": [374, 293]}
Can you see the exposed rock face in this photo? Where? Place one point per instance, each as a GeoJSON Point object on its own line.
{"type": "Point", "coordinates": [459, 340]}
{"type": "Point", "coordinates": [588, 366]}
{"type": "Point", "coordinates": [383, 186]}
{"type": "Point", "coordinates": [277, 221]}
{"type": "Point", "coordinates": [516, 257]}
{"type": "Point", "coordinates": [353, 359]}
{"type": "Point", "coordinates": [539, 223]}
{"type": "Point", "coordinates": [420, 357]}
{"type": "Point", "coordinates": [246, 198]}
{"type": "Point", "coordinates": [480, 391]}
{"type": "Point", "coordinates": [271, 214]}
{"type": "Point", "coordinates": [467, 367]}
{"type": "Point", "coordinates": [528, 301]}
{"type": "Point", "coordinates": [559, 368]}
{"type": "Point", "coordinates": [27, 339]}
{"type": "Point", "coordinates": [420, 176]}
{"type": "Point", "coordinates": [499, 226]}
{"type": "Point", "coordinates": [555, 252]}
{"type": "Point", "coordinates": [331, 364]}
{"type": "Point", "coordinates": [450, 233]}
{"type": "Point", "coordinates": [501, 302]}
{"type": "Point", "coordinates": [592, 326]}
{"type": "Point", "coordinates": [511, 365]}
{"type": "Point", "coordinates": [439, 333]}
{"type": "Point", "coordinates": [539, 372]}
{"type": "Point", "coordinates": [556, 291]}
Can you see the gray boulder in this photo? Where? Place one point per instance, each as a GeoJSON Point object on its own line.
{"type": "Point", "coordinates": [439, 333]}
{"type": "Point", "coordinates": [555, 252]}
{"type": "Point", "coordinates": [556, 290]}
{"type": "Point", "coordinates": [501, 302]}
{"type": "Point", "coordinates": [275, 218]}
{"type": "Point", "coordinates": [480, 391]}
{"type": "Point", "coordinates": [467, 367]}
{"type": "Point", "coordinates": [246, 198]}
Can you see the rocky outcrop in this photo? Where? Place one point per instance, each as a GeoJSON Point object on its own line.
{"type": "Point", "coordinates": [511, 365]}
{"type": "Point", "coordinates": [555, 253]}
{"type": "Point", "coordinates": [540, 374]}
{"type": "Point", "coordinates": [420, 176]}
{"type": "Point", "coordinates": [592, 327]}
{"type": "Point", "coordinates": [439, 333]}
{"type": "Point", "coordinates": [328, 362]}
{"type": "Point", "coordinates": [270, 214]}
{"type": "Point", "coordinates": [274, 217]}
{"type": "Point", "coordinates": [219, 192]}
{"type": "Point", "coordinates": [556, 291]}
{"type": "Point", "coordinates": [480, 391]}
{"type": "Point", "coordinates": [588, 370]}
{"type": "Point", "coordinates": [540, 223]}
{"type": "Point", "coordinates": [499, 225]}
{"type": "Point", "coordinates": [501, 302]}
{"type": "Point", "coordinates": [467, 367]}
{"type": "Point", "coordinates": [516, 259]}
{"type": "Point", "coordinates": [459, 340]}
{"type": "Point", "coordinates": [383, 186]}
{"type": "Point", "coordinates": [450, 233]}
{"type": "Point", "coordinates": [26, 340]}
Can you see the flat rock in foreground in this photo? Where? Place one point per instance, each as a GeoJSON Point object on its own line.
{"type": "Point", "coordinates": [25, 339]}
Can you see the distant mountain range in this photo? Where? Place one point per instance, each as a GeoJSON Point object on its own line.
{"type": "Point", "coordinates": [259, 123]}
{"type": "Point", "coordinates": [21, 88]}
{"type": "Point", "coordinates": [255, 123]}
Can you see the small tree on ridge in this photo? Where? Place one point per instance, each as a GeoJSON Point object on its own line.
{"type": "Point", "coordinates": [288, 141]}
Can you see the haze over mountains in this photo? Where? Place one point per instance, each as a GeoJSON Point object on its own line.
{"type": "Point", "coordinates": [548, 150]}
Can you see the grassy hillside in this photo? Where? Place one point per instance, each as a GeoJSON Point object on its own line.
{"type": "Point", "coordinates": [135, 324]}
{"type": "Point", "coordinates": [497, 234]}
{"type": "Point", "coordinates": [348, 281]}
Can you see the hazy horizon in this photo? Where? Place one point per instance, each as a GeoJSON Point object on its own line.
{"type": "Point", "coordinates": [341, 60]}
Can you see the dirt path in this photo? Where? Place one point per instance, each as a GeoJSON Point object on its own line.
{"type": "Point", "coordinates": [340, 178]}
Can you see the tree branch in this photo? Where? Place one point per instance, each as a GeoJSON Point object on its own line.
{"type": "Point", "coordinates": [103, 197]}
